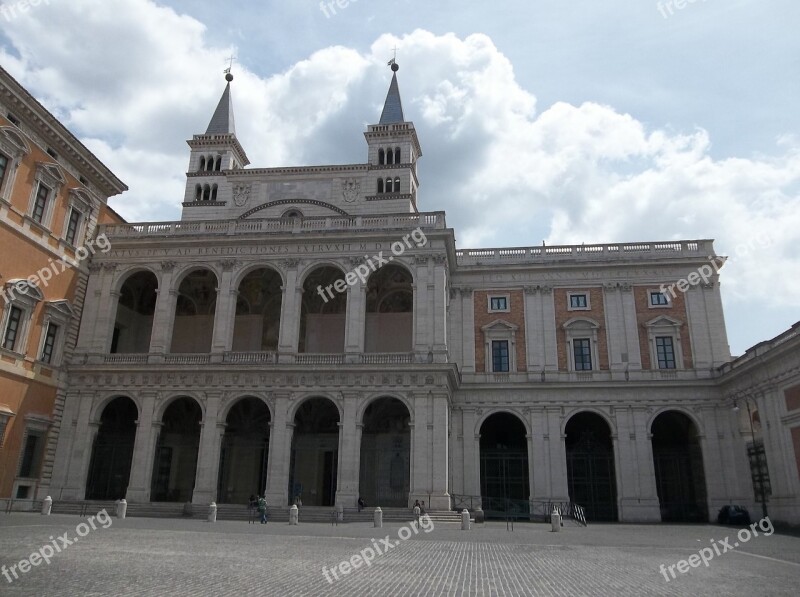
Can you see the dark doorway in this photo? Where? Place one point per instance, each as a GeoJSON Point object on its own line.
{"type": "Point", "coordinates": [678, 461]}
{"type": "Point", "coordinates": [591, 476]}
{"type": "Point", "coordinates": [315, 452]}
{"type": "Point", "coordinates": [178, 444]}
{"type": "Point", "coordinates": [504, 465]}
{"type": "Point", "coordinates": [244, 451]}
{"type": "Point", "coordinates": [112, 455]}
{"type": "Point", "coordinates": [385, 454]}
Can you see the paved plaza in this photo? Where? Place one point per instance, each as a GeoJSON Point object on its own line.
{"type": "Point", "coordinates": [150, 557]}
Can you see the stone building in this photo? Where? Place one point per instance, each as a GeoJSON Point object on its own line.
{"type": "Point", "coordinates": [53, 194]}
{"type": "Point", "coordinates": [310, 331]}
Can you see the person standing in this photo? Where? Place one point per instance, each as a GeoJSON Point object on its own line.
{"type": "Point", "coordinates": [262, 509]}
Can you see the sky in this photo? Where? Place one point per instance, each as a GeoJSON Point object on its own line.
{"type": "Point", "coordinates": [540, 120]}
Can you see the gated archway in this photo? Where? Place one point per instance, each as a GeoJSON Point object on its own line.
{"type": "Point", "coordinates": [591, 475]}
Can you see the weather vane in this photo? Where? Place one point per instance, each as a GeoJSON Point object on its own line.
{"type": "Point", "coordinates": [230, 64]}
{"type": "Point", "coordinates": [393, 61]}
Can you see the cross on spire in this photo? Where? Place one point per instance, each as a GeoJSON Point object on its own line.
{"type": "Point", "coordinates": [230, 59]}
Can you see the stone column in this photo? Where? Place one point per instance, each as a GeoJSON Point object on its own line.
{"type": "Point", "coordinates": [164, 316]}
{"type": "Point", "coordinates": [291, 306]}
{"type": "Point", "coordinates": [205, 486]}
{"type": "Point", "coordinates": [225, 312]}
{"type": "Point", "coordinates": [631, 327]}
{"type": "Point", "coordinates": [468, 329]}
{"type": "Point", "coordinates": [548, 332]}
{"type": "Point", "coordinates": [347, 478]}
{"type": "Point", "coordinates": [356, 318]}
{"type": "Point", "coordinates": [534, 348]}
{"type": "Point", "coordinates": [539, 455]}
{"type": "Point", "coordinates": [66, 438]}
{"type": "Point", "coordinates": [106, 310]}
{"type": "Point", "coordinates": [558, 456]}
{"type": "Point", "coordinates": [456, 338]}
{"type": "Point", "coordinates": [91, 308]}
{"type": "Point", "coordinates": [420, 451]}
{"type": "Point", "coordinates": [439, 309]}
{"type": "Point", "coordinates": [471, 449]}
{"type": "Point", "coordinates": [439, 453]}
{"type": "Point", "coordinates": [633, 462]}
{"type": "Point", "coordinates": [143, 451]}
{"type": "Point", "coordinates": [85, 432]}
{"type": "Point", "coordinates": [280, 445]}
{"type": "Point", "coordinates": [423, 333]}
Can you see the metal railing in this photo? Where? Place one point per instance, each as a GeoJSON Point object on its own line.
{"type": "Point", "coordinates": [512, 510]}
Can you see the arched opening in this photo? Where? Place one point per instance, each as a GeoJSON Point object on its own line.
{"type": "Point", "coordinates": [202, 163]}
{"type": "Point", "coordinates": [678, 461]}
{"type": "Point", "coordinates": [194, 313]}
{"type": "Point", "coordinates": [214, 193]}
{"type": "Point", "coordinates": [389, 187]}
{"type": "Point", "coordinates": [324, 309]}
{"type": "Point", "coordinates": [210, 163]}
{"type": "Point", "coordinates": [591, 476]}
{"type": "Point", "coordinates": [390, 310]}
{"type": "Point", "coordinates": [206, 193]}
{"type": "Point", "coordinates": [258, 312]}
{"type": "Point", "coordinates": [397, 155]}
{"type": "Point", "coordinates": [218, 165]}
{"type": "Point", "coordinates": [133, 324]}
{"type": "Point", "coordinates": [175, 464]}
{"type": "Point", "coordinates": [389, 156]}
{"type": "Point", "coordinates": [243, 453]}
{"type": "Point", "coordinates": [504, 465]}
{"type": "Point", "coordinates": [112, 454]}
{"type": "Point", "coordinates": [384, 478]}
{"type": "Point", "coordinates": [292, 214]}
{"type": "Point", "coordinates": [198, 192]}
{"type": "Point", "coordinates": [380, 186]}
{"type": "Point", "coordinates": [381, 157]}
{"type": "Point", "coordinates": [397, 185]}
{"type": "Point", "coordinates": [315, 453]}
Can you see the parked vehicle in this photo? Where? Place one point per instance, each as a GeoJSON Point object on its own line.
{"type": "Point", "coordinates": [735, 515]}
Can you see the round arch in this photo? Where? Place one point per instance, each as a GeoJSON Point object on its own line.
{"type": "Point", "coordinates": [612, 428]}
{"type": "Point", "coordinates": [254, 267]}
{"type": "Point", "coordinates": [509, 411]}
{"type": "Point", "coordinates": [310, 396]}
{"type": "Point", "coordinates": [377, 396]}
{"type": "Point", "coordinates": [112, 449]}
{"type": "Point", "coordinates": [165, 404]}
{"type": "Point", "coordinates": [679, 409]}
{"type": "Point", "coordinates": [182, 273]}
{"type": "Point", "coordinates": [99, 406]}
{"type": "Point", "coordinates": [224, 411]}
{"type": "Point", "coordinates": [310, 268]}
{"type": "Point", "coordinates": [131, 271]}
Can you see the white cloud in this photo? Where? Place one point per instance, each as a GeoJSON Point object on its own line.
{"type": "Point", "coordinates": [136, 80]}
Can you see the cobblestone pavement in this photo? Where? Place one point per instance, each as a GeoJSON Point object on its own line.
{"type": "Point", "coordinates": [148, 557]}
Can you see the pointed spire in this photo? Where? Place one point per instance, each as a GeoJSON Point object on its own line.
{"type": "Point", "coordinates": [222, 123]}
{"type": "Point", "coordinates": [393, 108]}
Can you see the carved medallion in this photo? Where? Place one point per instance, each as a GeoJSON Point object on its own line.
{"type": "Point", "coordinates": [241, 194]}
{"type": "Point", "coordinates": [351, 188]}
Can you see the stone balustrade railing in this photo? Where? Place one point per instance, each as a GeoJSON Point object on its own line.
{"type": "Point", "coordinates": [426, 221]}
{"type": "Point", "coordinates": [619, 251]}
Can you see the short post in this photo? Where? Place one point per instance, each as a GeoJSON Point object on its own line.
{"type": "Point", "coordinates": [339, 513]}
{"type": "Point", "coordinates": [480, 517]}
{"type": "Point", "coordinates": [294, 514]}
{"type": "Point", "coordinates": [465, 520]}
{"type": "Point", "coordinates": [47, 505]}
{"type": "Point", "coordinates": [122, 508]}
{"type": "Point", "coordinates": [212, 512]}
{"type": "Point", "coordinates": [555, 520]}
{"type": "Point", "coordinates": [378, 517]}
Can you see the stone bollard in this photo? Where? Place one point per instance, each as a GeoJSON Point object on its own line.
{"type": "Point", "coordinates": [47, 505]}
{"type": "Point", "coordinates": [555, 520]}
{"type": "Point", "coordinates": [122, 508]}
{"type": "Point", "coordinates": [480, 517]}
{"type": "Point", "coordinates": [212, 512]}
{"type": "Point", "coordinates": [339, 512]}
{"type": "Point", "coordinates": [378, 518]}
{"type": "Point", "coordinates": [465, 520]}
{"type": "Point", "coordinates": [294, 515]}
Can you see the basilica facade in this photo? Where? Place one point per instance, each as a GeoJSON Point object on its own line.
{"type": "Point", "coordinates": [311, 332]}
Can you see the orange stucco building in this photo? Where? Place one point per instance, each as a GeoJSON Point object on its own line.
{"type": "Point", "coordinates": [53, 195]}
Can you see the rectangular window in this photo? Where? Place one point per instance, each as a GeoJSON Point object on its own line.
{"type": "Point", "coordinates": [582, 349]}
{"type": "Point", "coordinates": [578, 301]}
{"type": "Point", "coordinates": [72, 226]}
{"type": "Point", "coordinates": [500, 363]}
{"type": "Point", "coordinates": [40, 205]}
{"type": "Point", "coordinates": [665, 350]}
{"type": "Point", "coordinates": [29, 465]}
{"type": "Point", "coordinates": [12, 328]}
{"type": "Point", "coordinates": [49, 343]}
{"type": "Point", "coordinates": [3, 168]}
{"type": "Point", "coordinates": [498, 303]}
{"type": "Point", "coordinates": [659, 299]}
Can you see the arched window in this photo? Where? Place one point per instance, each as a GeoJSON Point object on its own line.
{"type": "Point", "coordinates": [202, 164]}
{"type": "Point", "coordinates": [390, 156]}
{"type": "Point", "coordinates": [396, 185]}
{"type": "Point", "coordinates": [214, 193]}
{"type": "Point", "coordinates": [389, 185]}
{"type": "Point", "coordinates": [397, 155]}
{"type": "Point", "coordinates": [218, 165]}
{"type": "Point", "coordinates": [198, 192]}
{"type": "Point", "coordinates": [381, 156]}
{"type": "Point", "coordinates": [380, 184]}
{"type": "Point", "coordinates": [206, 193]}
{"type": "Point", "coordinates": [293, 213]}
{"type": "Point", "coordinates": [210, 163]}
